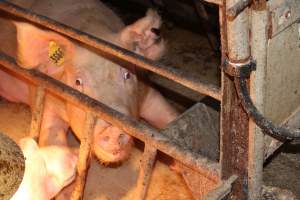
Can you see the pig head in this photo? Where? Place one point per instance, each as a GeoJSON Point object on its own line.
{"type": "Point", "coordinates": [47, 171]}
{"type": "Point", "coordinates": [81, 68]}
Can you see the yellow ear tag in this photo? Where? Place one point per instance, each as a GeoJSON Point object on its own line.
{"type": "Point", "coordinates": [55, 53]}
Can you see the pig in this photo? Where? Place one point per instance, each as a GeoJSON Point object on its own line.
{"type": "Point", "coordinates": [47, 170]}
{"type": "Point", "coordinates": [82, 68]}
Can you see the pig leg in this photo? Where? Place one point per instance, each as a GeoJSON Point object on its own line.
{"type": "Point", "coordinates": [47, 171]}
{"type": "Point", "coordinates": [155, 109]}
{"type": "Point", "coordinates": [54, 127]}
{"type": "Point", "coordinates": [53, 131]}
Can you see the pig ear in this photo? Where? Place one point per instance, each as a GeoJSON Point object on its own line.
{"type": "Point", "coordinates": [40, 47]}
{"type": "Point", "coordinates": [143, 36]}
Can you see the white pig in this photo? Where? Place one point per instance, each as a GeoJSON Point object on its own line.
{"type": "Point", "coordinates": [47, 171]}
{"type": "Point", "coordinates": [81, 68]}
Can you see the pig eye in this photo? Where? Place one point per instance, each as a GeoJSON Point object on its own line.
{"type": "Point", "coordinates": [126, 75]}
{"type": "Point", "coordinates": [78, 82]}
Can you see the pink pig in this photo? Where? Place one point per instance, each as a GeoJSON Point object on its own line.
{"type": "Point", "coordinates": [83, 69]}
{"type": "Point", "coordinates": [47, 171]}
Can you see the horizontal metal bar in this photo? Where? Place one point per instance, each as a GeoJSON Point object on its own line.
{"type": "Point", "coordinates": [117, 53]}
{"type": "Point", "coordinates": [140, 130]}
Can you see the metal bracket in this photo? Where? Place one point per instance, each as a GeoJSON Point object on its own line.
{"type": "Point", "coordinates": [239, 69]}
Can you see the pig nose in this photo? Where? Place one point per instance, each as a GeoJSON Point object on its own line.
{"type": "Point", "coordinates": [109, 140]}
{"type": "Point", "coordinates": [123, 139]}
{"type": "Point", "coordinates": [156, 31]}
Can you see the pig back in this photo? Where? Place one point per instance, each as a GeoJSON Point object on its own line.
{"type": "Point", "coordinates": [90, 16]}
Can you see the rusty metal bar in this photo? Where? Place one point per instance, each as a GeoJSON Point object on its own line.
{"type": "Point", "coordinates": [117, 53]}
{"type": "Point", "coordinates": [84, 156]}
{"type": "Point", "coordinates": [237, 8]}
{"type": "Point", "coordinates": [37, 113]}
{"type": "Point", "coordinates": [145, 173]}
{"type": "Point", "coordinates": [222, 190]}
{"type": "Point", "coordinates": [235, 137]}
{"type": "Point", "coordinates": [137, 129]}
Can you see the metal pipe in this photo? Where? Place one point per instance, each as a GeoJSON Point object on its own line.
{"type": "Point", "coordinates": [266, 125]}
{"type": "Point", "coordinates": [84, 156]}
{"type": "Point", "coordinates": [259, 42]}
{"type": "Point", "coordinates": [145, 173]}
{"type": "Point", "coordinates": [237, 8]}
{"type": "Point", "coordinates": [234, 120]}
{"type": "Point", "coordinates": [37, 113]}
{"type": "Point", "coordinates": [117, 53]}
{"type": "Point", "coordinates": [137, 129]}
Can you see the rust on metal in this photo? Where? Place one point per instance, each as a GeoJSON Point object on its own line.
{"type": "Point", "coordinates": [222, 190]}
{"type": "Point", "coordinates": [146, 168]}
{"type": "Point", "coordinates": [137, 129]}
{"type": "Point", "coordinates": [259, 5]}
{"type": "Point", "coordinates": [234, 144]}
{"type": "Point", "coordinates": [237, 8]}
{"type": "Point", "coordinates": [234, 120]}
{"type": "Point", "coordinates": [84, 156]}
{"type": "Point", "coordinates": [37, 113]}
{"type": "Point", "coordinates": [270, 26]}
{"type": "Point", "coordinates": [116, 53]}
{"type": "Point", "coordinates": [199, 185]}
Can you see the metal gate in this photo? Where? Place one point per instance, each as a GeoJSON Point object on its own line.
{"type": "Point", "coordinates": [239, 171]}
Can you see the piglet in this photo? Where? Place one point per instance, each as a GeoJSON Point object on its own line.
{"type": "Point", "coordinates": [47, 171]}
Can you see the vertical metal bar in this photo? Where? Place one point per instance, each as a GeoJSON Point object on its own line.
{"type": "Point", "coordinates": [146, 169]}
{"type": "Point", "coordinates": [259, 40]}
{"type": "Point", "coordinates": [37, 113]}
{"type": "Point", "coordinates": [84, 156]}
{"type": "Point", "coordinates": [234, 120]}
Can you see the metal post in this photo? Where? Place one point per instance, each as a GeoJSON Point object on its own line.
{"type": "Point", "coordinates": [37, 113]}
{"type": "Point", "coordinates": [84, 156]}
{"type": "Point", "coordinates": [259, 16]}
{"type": "Point", "coordinates": [146, 169]}
{"type": "Point", "coordinates": [234, 120]}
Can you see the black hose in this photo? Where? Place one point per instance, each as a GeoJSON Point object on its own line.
{"type": "Point", "coordinates": [266, 125]}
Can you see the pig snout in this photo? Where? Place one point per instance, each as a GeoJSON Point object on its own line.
{"type": "Point", "coordinates": [112, 145]}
